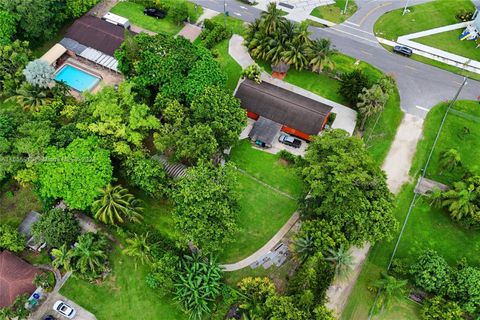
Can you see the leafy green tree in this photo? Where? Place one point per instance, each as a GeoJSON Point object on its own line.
{"type": "Point", "coordinates": [39, 73]}
{"type": "Point", "coordinates": [198, 284]}
{"type": "Point", "coordinates": [206, 206]}
{"type": "Point", "coordinates": [62, 257]}
{"type": "Point", "coordinates": [196, 143]}
{"type": "Point", "coordinates": [116, 205]}
{"type": "Point", "coordinates": [75, 173]}
{"type": "Point", "coordinates": [76, 8]}
{"type": "Point", "coordinates": [36, 20]}
{"type": "Point", "coordinates": [352, 84]}
{"type": "Point", "coordinates": [33, 137]}
{"type": "Point", "coordinates": [320, 55]}
{"type": "Point", "coordinates": [13, 59]}
{"type": "Point", "coordinates": [254, 293]}
{"type": "Point", "coordinates": [147, 174]}
{"type": "Point", "coordinates": [347, 188]}
{"type": "Point", "coordinates": [138, 248]}
{"type": "Point", "coordinates": [118, 119]}
{"type": "Point", "coordinates": [222, 112]}
{"type": "Point", "coordinates": [11, 239]}
{"type": "Point", "coordinates": [179, 12]}
{"type": "Point", "coordinates": [313, 278]}
{"type": "Point", "coordinates": [372, 101]}
{"type": "Point", "coordinates": [466, 289]}
{"type": "Point", "coordinates": [450, 160]}
{"type": "Point", "coordinates": [324, 234]}
{"type": "Point", "coordinates": [430, 271]}
{"type": "Point", "coordinates": [204, 73]}
{"type": "Point", "coordinates": [342, 259]}
{"type": "Point", "coordinates": [8, 27]}
{"type": "Point", "coordinates": [56, 228]}
{"type": "Point", "coordinates": [31, 98]}
{"type": "Point", "coordinates": [89, 256]}
{"type": "Point", "coordinates": [437, 308]}
{"type": "Point", "coordinates": [390, 289]}
{"type": "Point", "coordinates": [284, 307]}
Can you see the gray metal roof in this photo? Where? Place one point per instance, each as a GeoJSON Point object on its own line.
{"type": "Point", "coordinates": [174, 170]}
{"type": "Point", "coordinates": [265, 130]}
{"type": "Point", "coordinates": [27, 223]}
{"type": "Point", "coordinates": [72, 45]}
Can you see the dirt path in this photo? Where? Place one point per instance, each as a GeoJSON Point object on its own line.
{"type": "Point", "coordinates": [396, 165]}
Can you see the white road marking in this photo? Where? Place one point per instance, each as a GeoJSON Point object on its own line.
{"type": "Point", "coordinates": [422, 108]}
{"type": "Point", "coordinates": [355, 24]}
{"type": "Point", "coordinates": [238, 14]}
{"type": "Point", "coordinates": [243, 7]}
{"type": "Point", "coordinates": [366, 52]}
{"type": "Point", "coordinates": [410, 67]}
{"type": "Point", "coordinates": [358, 29]}
{"type": "Point", "coordinates": [351, 34]}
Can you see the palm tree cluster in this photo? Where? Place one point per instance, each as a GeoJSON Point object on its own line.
{"type": "Point", "coordinates": [88, 257]}
{"type": "Point", "coordinates": [462, 201]}
{"type": "Point", "coordinates": [276, 39]}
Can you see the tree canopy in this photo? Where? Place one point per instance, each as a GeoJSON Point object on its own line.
{"type": "Point", "coordinates": [75, 173]}
{"type": "Point", "coordinates": [346, 187]}
{"type": "Point", "coordinates": [56, 228]}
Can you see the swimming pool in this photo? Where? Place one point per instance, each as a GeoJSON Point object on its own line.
{"type": "Point", "coordinates": [76, 78]}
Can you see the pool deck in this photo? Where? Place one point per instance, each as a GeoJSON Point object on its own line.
{"type": "Point", "coordinates": [108, 77]}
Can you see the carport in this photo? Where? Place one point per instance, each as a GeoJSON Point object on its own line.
{"type": "Point", "coordinates": [264, 132]}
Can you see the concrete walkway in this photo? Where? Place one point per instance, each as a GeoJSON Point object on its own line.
{"type": "Point", "coordinates": [266, 248]}
{"type": "Point", "coordinates": [239, 52]}
{"type": "Point", "coordinates": [207, 14]}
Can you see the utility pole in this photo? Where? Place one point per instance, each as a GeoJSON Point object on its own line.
{"type": "Point", "coordinates": [405, 9]}
{"type": "Point", "coordinates": [345, 9]}
{"type": "Point", "coordinates": [225, 14]}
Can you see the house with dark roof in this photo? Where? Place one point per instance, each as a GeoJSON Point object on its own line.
{"type": "Point", "coordinates": [16, 278]}
{"type": "Point", "coordinates": [298, 115]}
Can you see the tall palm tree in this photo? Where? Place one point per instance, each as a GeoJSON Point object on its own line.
{"type": "Point", "coordinates": [371, 102]}
{"type": "Point", "coordinates": [62, 257]}
{"type": "Point", "coordinates": [302, 34]}
{"type": "Point", "coordinates": [343, 262]}
{"type": "Point", "coordinates": [90, 254]}
{"type": "Point", "coordinates": [460, 201]}
{"type": "Point", "coordinates": [389, 289]}
{"type": "Point", "coordinates": [450, 159]}
{"type": "Point", "coordinates": [295, 55]}
{"type": "Point", "coordinates": [436, 196]}
{"type": "Point", "coordinates": [117, 205]}
{"type": "Point", "coordinates": [30, 98]}
{"type": "Point", "coordinates": [271, 20]}
{"type": "Point", "coordinates": [304, 247]}
{"type": "Point", "coordinates": [320, 55]}
{"type": "Point", "coordinates": [139, 248]}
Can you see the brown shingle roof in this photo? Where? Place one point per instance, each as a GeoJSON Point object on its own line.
{"type": "Point", "coordinates": [283, 106]}
{"type": "Point", "coordinates": [96, 33]}
{"type": "Point", "coordinates": [16, 278]}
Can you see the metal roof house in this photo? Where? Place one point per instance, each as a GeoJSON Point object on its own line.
{"type": "Point", "coordinates": [25, 228]}
{"type": "Point", "coordinates": [298, 115]}
{"type": "Point", "coordinates": [95, 39]}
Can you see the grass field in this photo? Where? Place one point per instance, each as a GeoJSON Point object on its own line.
{"type": "Point", "coordinates": [234, 25]}
{"type": "Point", "coordinates": [333, 12]}
{"type": "Point", "coordinates": [422, 17]}
{"type": "Point", "coordinates": [228, 64]}
{"type": "Point", "coordinates": [134, 12]}
{"type": "Point", "coordinates": [427, 227]}
{"type": "Point", "coordinates": [124, 295]}
{"type": "Point", "coordinates": [15, 205]}
{"type": "Point", "coordinates": [448, 41]}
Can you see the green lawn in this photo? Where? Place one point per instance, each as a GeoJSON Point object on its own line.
{"type": "Point", "coordinates": [124, 295]}
{"type": "Point", "coordinates": [448, 41]}
{"type": "Point", "coordinates": [267, 167]}
{"type": "Point", "coordinates": [333, 12]}
{"type": "Point", "coordinates": [234, 25]}
{"type": "Point", "coordinates": [15, 205]}
{"type": "Point", "coordinates": [228, 64]}
{"type": "Point", "coordinates": [134, 12]}
{"type": "Point", "coordinates": [422, 17]}
{"type": "Point", "coordinates": [378, 138]}
{"type": "Point", "coordinates": [427, 227]}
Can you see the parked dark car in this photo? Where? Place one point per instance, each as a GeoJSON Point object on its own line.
{"type": "Point", "coordinates": [154, 12]}
{"type": "Point", "coordinates": [251, 2]}
{"type": "Point", "coordinates": [48, 317]}
{"type": "Point", "coordinates": [403, 50]}
{"type": "Point", "coordinates": [289, 141]}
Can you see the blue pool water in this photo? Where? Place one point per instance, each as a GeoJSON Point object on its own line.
{"type": "Point", "coordinates": [76, 78]}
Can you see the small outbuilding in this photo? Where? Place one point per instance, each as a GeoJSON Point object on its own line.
{"type": "Point", "coordinates": [298, 115]}
{"type": "Point", "coordinates": [264, 131]}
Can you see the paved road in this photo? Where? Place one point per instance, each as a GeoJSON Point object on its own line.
{"type": "Point", "coordinates": [421, 86]}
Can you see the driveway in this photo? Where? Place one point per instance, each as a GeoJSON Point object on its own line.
{"type": "Point", "coordinates": [46, 308]}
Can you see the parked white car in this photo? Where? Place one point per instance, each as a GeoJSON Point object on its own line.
{"type": "Point", "coordinates": [64, 309]}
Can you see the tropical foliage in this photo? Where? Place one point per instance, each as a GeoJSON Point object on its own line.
{"type": "Point", "coordinates": [390, 289]}
{"type": "Point", "coordinates": [116, 205]}
{"type": "Point", "coordinates": [56, 227]}
{"type": "Point", "coordinates": [39, 73]}
{"type": "Point", "coordinates": [342, 260]}
{"type": "Point", "coordinates": [11, 239]}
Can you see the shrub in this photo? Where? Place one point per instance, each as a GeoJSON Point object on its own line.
{"type": "Point", "coordinates": [211, 37]}
{"type": "Point", "coordinates": [352, 84]}
{"type": "Point", "coordinates": [11, 239]}
{"type": "Point", "coordinates": [179, 12]}
{"type": "Point", "coordinates": [431, 271]}
{"type": "Point", "coordinates": [39, 73]}
{"type": "Point", "coordinates": [464, 15]}
{"type": "Point", "coordinates": [209, 24]}
{"type": "Point", "coordinates": [438, 308]}
{"type": "Point", "coordinates": [331, 119]}
{"type": "Point", "coordinates": [252, 72]}
{"type": "Point", "coordinates": [56, 227]}
{"type": "Point", "coordinates": [287, 156]}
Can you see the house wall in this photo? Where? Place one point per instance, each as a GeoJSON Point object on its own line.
{"type": "Point", "coordinates": [295, 132]}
